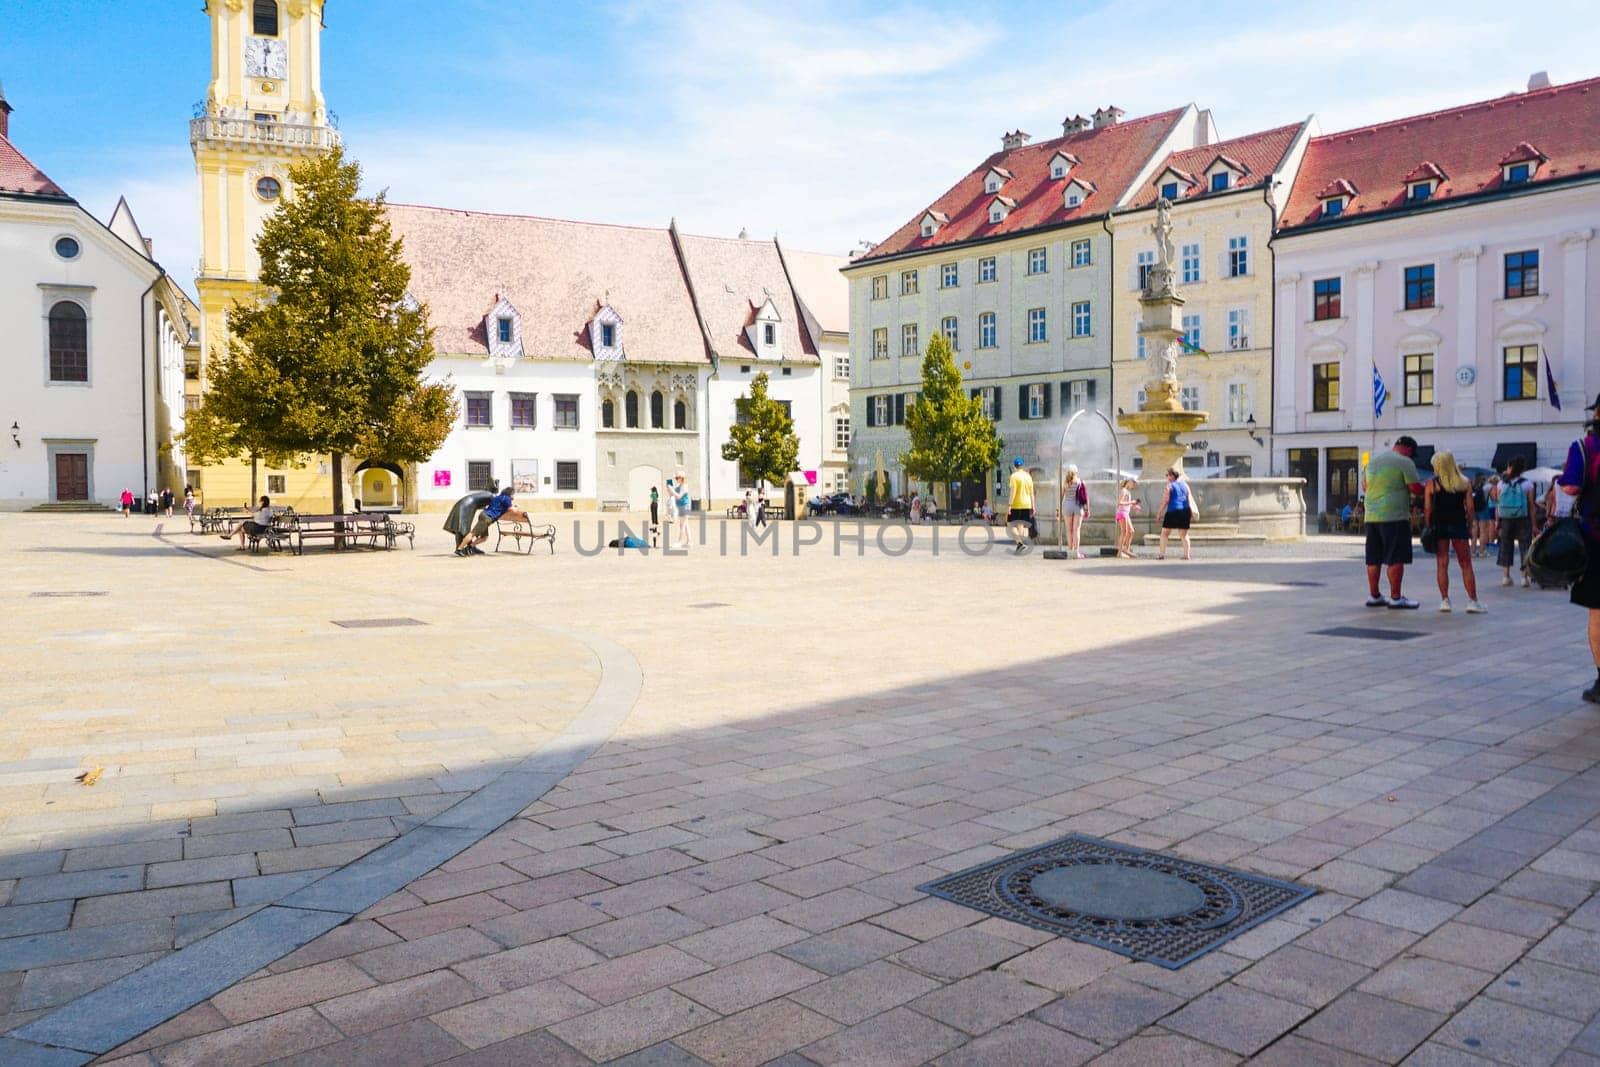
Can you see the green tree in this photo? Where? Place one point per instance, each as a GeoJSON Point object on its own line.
{"type": "Point", "coordinates": [952, 439]}
{"type": "Point", "coordinates": [238, 417]}
{"type": "Point", "coordinates": [762, 440]}
{"type": "Point", "coordinates": [333, 335]}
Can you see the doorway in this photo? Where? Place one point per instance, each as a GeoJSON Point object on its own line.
{"type": "Point", "coordinates": [72, 476]}
{"type": "Point", "coordinates": [1344, 477]}
{"type": "Point", "coordinates": [641, 480]}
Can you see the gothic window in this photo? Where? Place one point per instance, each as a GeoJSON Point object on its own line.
{"type": "Point", "coordinates": [680, 415]}
{"type": "Point", "coordinates": [266, 18]}
{"type": "Point", "coordinates": [630, 408]}
{"type": "Point", "coordinates": [658, 403]}
{"type": "Point", "coordinates": [608, 414]}
{"type": "Point", "coordinates": [69, 343]}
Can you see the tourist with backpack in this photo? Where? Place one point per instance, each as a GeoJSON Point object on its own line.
{"type": "Point", "coordinates": [1513, 502]}
{"type": "Point", "coordinates": [1578, 478]}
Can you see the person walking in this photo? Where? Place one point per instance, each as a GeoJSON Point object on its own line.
{"type": "Point", "coordinates": [681, 505]}
{"type": "Point", "coordinates": [1387, 483]}
{"type": "Point", "coordinates": [1177, 511]}
{"type": "Point", "coordinates": [1019, 509]}
{"type": "Point", "coordinates": [1480, 500]}
{"type": "Point", "coordinates": [1578, 480]}
{"type": "Point", "coordinates": [655, 508]}
{"type": "Point", "coordinates": [1447, 507]}
{"type": "Point", "coordinates": [1513, 502]}
{"type": "Point", "coordinates": [761, 509]}
{"type": "Point", "coordinates": [1072, 507]}
{"type": "Point", "coordinates": [1126, 506]}
{"type": "Point", "coordinates": [166, 501]}
{"type": "Point", "coordinates": [126, 500]}
{"type": "Point", "coordinates": [750, 508]}
{"type": "Point", "coordinates": [188, 502]}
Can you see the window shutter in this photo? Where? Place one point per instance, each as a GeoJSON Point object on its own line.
{"type": "Point", "coordinates": [899, 409]}
{"type": "Point", "coordinates": [1092, 384]}
{"type": "Point", "coordinates": [1022, 401]}
{"type": "Point", "coordinates": [872, 411]}
{"type": "Point", "coordinates": [1066, 396]}
{"type": "Point", "coordinates": [1047, 400]}
{"type": "Point", "coordinates": [998, 393]}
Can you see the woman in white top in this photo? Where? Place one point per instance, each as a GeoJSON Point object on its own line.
{"type": "Point", "coordinates": [1073, 507]}
{"type": "Point", "coordinates": [1557, 505]}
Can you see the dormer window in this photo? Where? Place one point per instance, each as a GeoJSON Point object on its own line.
{"type": "Point", "coordinates": [504, 329]}
{"type": "Point", "coordinates": [1332, 206]}
{"type": "Point", "coordinates": [1061, 165]}
{"type": "Point", "coordinates": [1169, 191]}
{"type": "Point", "coordinates": [1417, 192]}
{"type": "Point", "coordinates": [1076, 193]}
{"type": "Point", "coordinates": [1223, 173]}
{"type": "Point", "coordinates": [996, 178]}
{"type": "Point", "coordinates": [1000, 208]}
{"type": "Point", "coordinates": [769, 334]}
{"type": "Point", "coordinates": [1423, 181]}
{"type": "Point", "coordinates": [1518, 173]}
{"type": "Point", "coordinates": [931, 222]}
{"type": "Point", "coordinates": [608, 335]}
{"type": "Point", "coordinates": [1335, 197]}
{"type": "Point", "coordinates": [1058, 171]}
{"type": "Point", "coordinates": [761, 334]}
{"type": "Point", "coordinates": [605, 333]}
{"type": "Point", "coordinates": [997, 213]}
{"type": "Point", "coordinates": [1220, 181]}
{"type": "Point", "coordinates": [1521, 164]}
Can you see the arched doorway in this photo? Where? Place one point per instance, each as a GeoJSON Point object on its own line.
{"type": "Point", "coordinates": [380, 486]}
{"type": "Point", "coordinates": [640, 480]}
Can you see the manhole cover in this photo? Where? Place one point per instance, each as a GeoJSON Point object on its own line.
{"type": "Point", "coordinates": [73, 592]}
{"type": "Point", "coordinates": [376, 624]}
{"type": "Point", "coordinates": [1367, 633]}
{"type": "Point", "coordinates": [1146, 905]}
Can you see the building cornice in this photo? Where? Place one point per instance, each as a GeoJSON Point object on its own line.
{"type": "Point", "coordinates": [957, 247]}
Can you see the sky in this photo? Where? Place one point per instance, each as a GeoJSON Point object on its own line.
{"type": "Point", "coordinates": [826, 123]}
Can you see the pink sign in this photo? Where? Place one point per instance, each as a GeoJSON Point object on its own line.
{"type": "Point", "coordinates": [441, 479]}
{"type": "Point", "coordinates": [811, 477]}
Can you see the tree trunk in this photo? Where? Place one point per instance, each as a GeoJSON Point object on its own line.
{"type": "Point", "coordinates": [254, 495]}
{"type": "Point", "coordinates": [337, 462]}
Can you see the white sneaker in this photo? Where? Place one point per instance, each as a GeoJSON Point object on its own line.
{"type": "Point", "coordinates": [1444, 606]}
{"type": "Point", "coordinates": [1379, 601]}
{"type": "Point", "coordinates": [1506, 581]}
{"type": "Point", "coordinates": [1475, 608]}
{"type": "Point", "coordinates": [1525, 582]}
{"type": "Point", "coordinates": [1404, 603]}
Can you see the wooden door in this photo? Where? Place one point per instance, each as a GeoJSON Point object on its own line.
{"type": "Point", "coordinates": [72, 476]}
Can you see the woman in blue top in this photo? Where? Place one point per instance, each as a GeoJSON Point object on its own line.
{"type": "Point", "coordinates": [1177, 511]}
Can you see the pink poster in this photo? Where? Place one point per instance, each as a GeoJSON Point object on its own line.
{"type": "Point", "coordinates": [441, 479]}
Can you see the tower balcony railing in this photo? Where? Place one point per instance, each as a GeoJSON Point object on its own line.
{"type": "Point", "coordinates": [251, 131]}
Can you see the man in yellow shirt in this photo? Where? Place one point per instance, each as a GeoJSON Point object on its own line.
{"type": "Point", "coordinates": [1019, 514]}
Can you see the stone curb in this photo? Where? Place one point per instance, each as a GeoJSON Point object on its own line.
{"type": "Point", "coordinates": [115, 1014]}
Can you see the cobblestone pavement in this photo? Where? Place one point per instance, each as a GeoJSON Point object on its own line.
{"type": "Point", "coordinates": [731, 878]}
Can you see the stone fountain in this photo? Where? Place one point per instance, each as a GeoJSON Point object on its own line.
{"type": "Point", "coordinates": [1161, 418]}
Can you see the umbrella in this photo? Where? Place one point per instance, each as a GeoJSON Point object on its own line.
{"type": "Point", "coordinates": [459, 521]}
{"type": "Point", "coordinates": [881, 481]}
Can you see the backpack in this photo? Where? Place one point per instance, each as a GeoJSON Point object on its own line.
{"type": "Point", "coordinates": [1513, 503]}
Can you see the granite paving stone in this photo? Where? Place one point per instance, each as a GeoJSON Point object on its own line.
{"type": "Point", "coordinates": [1375, 1027]}
{"type": "Point", "coordinates": [1240, 1020]}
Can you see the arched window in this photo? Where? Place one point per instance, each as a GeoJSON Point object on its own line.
{"type": "Point", "coordinates": [658, 410]}
{"type": "Point", "coordinates": [630, 407]}
{"type": "Point", "coordinates": [608, 414]}
{"type": "Point", "coordinates": [69, 343]}
{"type": "Point", "coordinates": [680, 415]}
{"type": "Point", "coordinates": [266, 18]}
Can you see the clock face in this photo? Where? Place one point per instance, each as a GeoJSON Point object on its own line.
{"type": "Point", "coordinates": [1465, 376]}
{"type": "Point", "coordinates": [265, 58]}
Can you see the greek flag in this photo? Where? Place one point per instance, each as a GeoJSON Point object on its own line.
{"type": "Point", "coordinates": [1380, 394]}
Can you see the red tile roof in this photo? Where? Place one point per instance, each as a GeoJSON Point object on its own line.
{"type": "Point", "coordinates": [1255, 156]}
{"type": "Point", "coordinates": [1469, 143]}
{"type": "Point", "coordinates": [732, 277]}
{"type": "Point", "coordinates": [19, 175]}
{"type": "Point", "coordinates": [1111, 157]}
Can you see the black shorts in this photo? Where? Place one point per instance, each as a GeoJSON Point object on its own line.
{"type": "Point", "coordinates": [1019, 515]}
{"type": "Point", "coordinates": [1586, 590]}
{"type": "Point", "coordinates": [1388, 543]}
{"type": "Point", "coordinates": [1177, 519]}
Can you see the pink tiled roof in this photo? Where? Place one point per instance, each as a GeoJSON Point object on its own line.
{"type": "Point", "coordinates": [732, 278]}
{"type": "Point", "coordinates": [821, 287]}
{"type": "Point", "coordinates": [556, 273]}
{"type": "Point", "coordinates": [1111, 157]}
{"type": "Point", "coordinates": [1337, 187]}
{"type": "Point", "coordinates": [19, 175]}
{"type": "Point", "coordinates": [1255, 156]}
{"type": "Point", "coordinates": [1467, 143]}
{"type": "Point", "coordinates": [1425, 171]}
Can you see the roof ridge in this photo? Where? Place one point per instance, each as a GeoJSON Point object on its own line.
{"type": "Point", "coordinates": [1527, 94]}
{"type": "Point", "coordinates": [38, 171]}
{"type": "Point", "coordinates": [526, 218]}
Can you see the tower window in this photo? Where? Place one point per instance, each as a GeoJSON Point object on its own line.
{"type": "Point", "coordinates": [266, 18]}
{"type": "Point", "coordinates": [269, 189]}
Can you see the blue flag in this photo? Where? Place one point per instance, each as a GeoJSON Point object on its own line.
{"type": "Point", "coordinates": [1550, 381]}
{"type": "Point", "coordinates": [1380, 394]}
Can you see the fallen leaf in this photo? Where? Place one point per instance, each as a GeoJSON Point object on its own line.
{"type": "Point", "coordinates": [1389, 799]}
{"type": "Point", "coordinates": [90, 777]}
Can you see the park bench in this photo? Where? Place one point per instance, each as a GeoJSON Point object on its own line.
{"type": "Point", "coordinates": [524, 531]}
{"type": "Point", "coordinates": [343, 530]}
{"type": "Point", "coordinates": [219, 520]}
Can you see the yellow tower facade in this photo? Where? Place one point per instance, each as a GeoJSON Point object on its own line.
{"type": "Point", "coordinates": [263, 111]}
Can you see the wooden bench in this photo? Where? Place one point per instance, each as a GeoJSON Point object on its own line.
{"type": "Point", "coordinates": [524, 531]}
{"type": "Point", "coordinates": [347, 529]}
{"type": "Point", "coordinates": [219, 520]}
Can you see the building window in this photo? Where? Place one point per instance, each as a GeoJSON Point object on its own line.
{"type": "Point", "coordinates": [997, 214]}
{"type": "Point", "coordinates": [1190, 396]}
{"type": "Point", "coordinates": [269, 189]}
{"type": "Point", "coordinates": [880, 287]}
{"type": "Point", "coordinates": [523, 410]}
{"type": "Point", "coordinates": [788, 372]}
{"type": "Point", "coordinates": [630, 410]}
{"type": "Point", "coordinates": [1522, 274]}
{"type": "Point", "coordinates": [1333, 206]}
{"type": "Point", "coordinates": [1219, 181]}
{"type": "Point", "coordinates": [1038, 331]}
{"type": "Point", "coordinates": [1038, 261]}
{"type": "Point", "coordinates": [680, 415]}
{"type": "Point", "coordinates": [1421, 191]}
{"type": "Point", "coordinates": [908, 340]}
{"type": "Point", "coordinates": [1517, 173]}
{"type": "Point", "coordinates": [1325, 387]}
{"type": "Point", "coordinates": [277, 484]}
{"type": "Point", "coordinates": [948, 327]}
{"type": "Point", "coordinates": [1238, 403]}
{"type": "Point", "coordinates": [503, 330]}
{"type": "Point", "coordinates": [68, 248]}
{"type": "Point", "coordinates": [841, 366]}
{"type": "Point", "coordinates": [608, 335]}
{"type": "Point", "coordinates": [1082, 324]}
{"type": "Point", "coordinates": [1191, 329]}
{"type": "Point", "coordinates": [1145, 262]}
{"type": "Point", "coordinates": [566, 411]}
{"type": "Point", "coordinates": [841, 432]}
{"type": "Point", "coordinates": [1419, 287]}
{"type": "Point", "coordinates": [882, 413]}
{"type": "Point", "coordinates": [1238, 257]}
{"type": "Point", "coordinates": [480, 472]}
{"type": "Point", "coordinates": [986, 330]}
{"type": "Point", "coordinates": [480, 409]}
{"type": "Point", "coordinates": [1077, 394]}
{"type": "Point", "coordinates": [1082, 256]}
{"type": "Point", "coordinates": [1073, 200]}
{"type": "Point", "coordinates": [608, 414]}
{"type": "Point", "coordinates": [908, 283]}
{"type": "Point", "coordinates": [1239, 328]}
{"type": "Point", "coordinates": [988, 401]}
{"type": "Point", "coordinates": [1036, 398]}
{"type": "Point", "coordinates": [191, 403]}
{"type": "Point", "coordinates": [1419, 380]}
{"type": "Point", "coordinates": [69, 343]}
{"type": "Point", "coordinates": [1140, 349]}
{"type": "Point", "coordinates": [658, 410]}
{"type": "Point", "coordinates": [986, 269]}
{"type": "Point", "coordinates": [769, 334]}
{"type": "Point", "coordinates": [265, 19]}
{"type": "Point", "coordinates": [1325, 298]}
{"type": "Point", "coordinates": [566, 476]}
{"type": "Point", "coordinates": [1521, 372]}
{"type": "Point", "coordinates": [880, 343]}
{"type": "Point", "coordinates": [949, 276]}
{"type": "Point", "coordinates": [1169, 191]}
{"type": "Point", "coordinates": [1191, 264]}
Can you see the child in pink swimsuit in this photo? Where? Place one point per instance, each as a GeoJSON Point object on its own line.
{"type": "Point", "coordinates": [1126, 506]}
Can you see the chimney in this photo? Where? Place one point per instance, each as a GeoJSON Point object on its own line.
{"type": "Point", "coordinates": [1538, 80]}
{"type": "Point", "coordinates": [5, 114]}
{"type": "Point", "coordinates": [1014, 139]}
{"type": "Point", "coordinates": [1107, 116]}
{"type": "Point", "coordinates": [1075, 124]}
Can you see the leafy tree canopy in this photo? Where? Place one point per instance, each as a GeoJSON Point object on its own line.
{"type": "Point", "coordinates": [951, 438]}
{"type": "Point", "coordinates": [762, 440]}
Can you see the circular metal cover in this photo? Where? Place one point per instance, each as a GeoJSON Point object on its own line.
{"type": "Point", "coordinates": [1114, 891]}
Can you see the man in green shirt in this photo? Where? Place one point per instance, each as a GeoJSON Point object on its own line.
{"type": "Point", "coordinates": [1387, 485]}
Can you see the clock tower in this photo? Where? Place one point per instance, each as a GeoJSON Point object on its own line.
{"type": "Point", "coordinates": [263, 112]}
